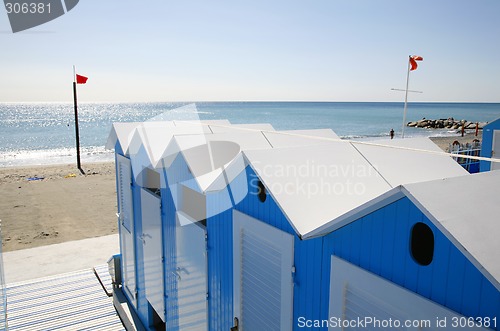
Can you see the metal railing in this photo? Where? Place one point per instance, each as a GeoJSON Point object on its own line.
{"type": "Point", "coordinates": [469, 149]}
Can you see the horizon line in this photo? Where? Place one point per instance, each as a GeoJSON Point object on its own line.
{"type": "Point", "coordinates": [243, 101]}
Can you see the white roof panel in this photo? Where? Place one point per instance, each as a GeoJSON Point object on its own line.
{"type": "Point", "coordinates": [241, 128]}
{"type": "Point", "coordinates": [467, 210]}
{"type": "Point", "coordinates": [314, 185]}
{"type": "Point", "coordinates": [246, 140]}
{"type": "Point", "coordinates": [204, 123]}
{"type": "Point", "coordinates": [295, 138]}
{"type": "Point", "coordinates": [404, 166]}
{"type": "Point", "coordinates": [201, 163]}
{"type": "Point", "coordinates": [158, 130]}
{"type": "Point", "coordinates": [206, 158]}
{"type": "Point", "coordinates": [121, 132]}
{"type": "Point", "coordinates": [155, 138]}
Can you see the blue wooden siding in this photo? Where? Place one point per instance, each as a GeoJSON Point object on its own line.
{"type": "Point", "coordinates": [307, 254]}
{"type": "Point", "coordinates": [142, 306]}
{"type": "Point", "coordinates": [168, 214]}
{"type": "Point", "coordinates": [487, 143]}
{"type": "Point", "coordinates": [178, 172]}
{"type": "Point", "coordinates": [220, 270]}
{"type": "Point", "coordinates": [380, 243]}
{"type": "Point", "coordinates": [307, 259]}
{"type": "Point", "coordinates": [267, 211]}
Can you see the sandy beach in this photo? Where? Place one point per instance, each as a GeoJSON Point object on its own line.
{"type": "Point", "coordinates": [444, 142]}
{"type": "Point", "coordinates": [63, 206]}
{"type": "Point", "coordinates": [66, 205]}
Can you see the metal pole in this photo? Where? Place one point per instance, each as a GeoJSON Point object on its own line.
{"type": "Point", "coordinates": [406, 99]}
{"type": "Point", "coordinates": [77, 132]}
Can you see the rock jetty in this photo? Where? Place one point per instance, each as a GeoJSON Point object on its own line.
{"type": "Point", "coordinates": [449, 123]}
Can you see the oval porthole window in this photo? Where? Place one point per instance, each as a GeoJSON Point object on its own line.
{"type": "Point", "coordinates": [422, 244]}
{"type": "Point", "coordinates": [261, 191]}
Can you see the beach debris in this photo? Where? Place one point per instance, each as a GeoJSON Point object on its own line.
{"type": "Point", "coordinates": [35, 178]}
{"type": "Point", "coordinates": [43, 234]}
{"type": "Point", "coordinates": [70, 175]}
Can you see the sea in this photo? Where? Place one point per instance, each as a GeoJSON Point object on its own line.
{"type": "Point", "coordinates": [44, 133]}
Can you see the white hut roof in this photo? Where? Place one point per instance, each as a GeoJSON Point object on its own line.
{"type": "Point", "coordinates": [207, 156]}
{"type": "Point", "coordinates": [242, 128]}
{"type": "Point", "coordinates": [295, 138]}
{"type": "Point", "coordinates": [319, 181]}
{"type": "Point", "coordinates": [405, 165]}
{"type": "Point", "coordinates": [308, 160]}
{"type": "Point", "coordinates": [209, 176]}
{"type": "Point", "coordinates": [321, 188]}
{"type": "Point", "coordinates": [322, 183]}
{"type": "Point", "coordinates": [156, 144]}
{"type": "Point", "coordinates": [316, 184]}
{"type": "Point", "coordinates": [122, 133]}
{"type": "Point", "coordinates": [466, 209]}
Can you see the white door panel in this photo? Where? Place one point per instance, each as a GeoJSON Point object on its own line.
{"type": "Point", "coordinates": [262, 271]}
{"type": "Point", "coordinates": [191, 272]}
{"type": "Point", "coordinates": [153, 252]}
{"type": "Point", "coordinates": [126, 226]}
{"type": "Point", "coordinates": [358, 295]}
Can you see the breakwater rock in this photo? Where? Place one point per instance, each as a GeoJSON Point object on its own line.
{"type": "Point", "coordinates": [449, 123]}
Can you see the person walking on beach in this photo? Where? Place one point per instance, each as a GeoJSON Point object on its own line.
{"type": "Point", "coordinates": [392, 133]}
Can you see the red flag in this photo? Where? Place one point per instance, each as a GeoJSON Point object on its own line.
{"type": "Point", "coordinates": [413, 61]}
{"type": "Point", "coordinates": [81, 79]}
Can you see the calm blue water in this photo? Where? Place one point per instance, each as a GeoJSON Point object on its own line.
{"type": "Point", "coordinates": [44, 133]}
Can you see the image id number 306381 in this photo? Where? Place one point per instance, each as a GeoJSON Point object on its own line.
{"type": "Point", "coordinates": [27, 8]}
{"type": "Point", "coordinates": [463, 322]}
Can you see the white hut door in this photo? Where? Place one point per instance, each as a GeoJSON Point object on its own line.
{"type": "Point", "coordinates": [359, 295]}
{"type": "Point", "coordinates": [191, 272]}
{"type": "Point", "coordinates": [496, 150]}
{"type": "Point", "coordinates": [126, 225]}
{"type": "Point", "coordinates": [262, 275]}
{"type": "Point", "coordinates": [153, 252]}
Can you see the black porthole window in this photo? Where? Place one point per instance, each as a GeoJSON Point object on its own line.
{"type": "Point", "coordinates": [261, 191]}
{"type": "Point", "coordinates": [422, 244]}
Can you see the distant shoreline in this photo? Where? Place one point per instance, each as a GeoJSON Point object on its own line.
{"type": "Point", "coordinates": [247, 101]}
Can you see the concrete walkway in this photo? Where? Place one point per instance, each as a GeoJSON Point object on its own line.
{"type": "Point", "coordinates": [57, 259]}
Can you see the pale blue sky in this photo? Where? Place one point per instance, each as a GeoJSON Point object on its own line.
{"type": "Point", "coordinates": [320, 50]}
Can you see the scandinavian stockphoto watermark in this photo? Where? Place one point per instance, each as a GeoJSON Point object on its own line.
{"type": "Point", "coordinates": [26, 14]}
{"type": "Point", "coordinates": [199, 164]}
{"type": "Point", "coordinates": [370, 322]}
{"type": "Point", "coordinates": [310, 178]}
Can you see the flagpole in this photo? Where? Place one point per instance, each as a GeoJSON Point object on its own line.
{"type": "Point", "coordinates": [406, 98]}
{"type": "Point", "coordinates": [77, 131]}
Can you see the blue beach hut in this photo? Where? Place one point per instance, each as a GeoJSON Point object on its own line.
{"type": "Point", "coordinates": [247, 227]}
{"type": "Point", "coordinates": [490, 146]}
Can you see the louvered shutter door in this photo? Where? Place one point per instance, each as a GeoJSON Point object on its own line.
{"type": "Point", "coordinates": [263, 261]}
{"type": "Point", "coordinates": [126, 222]}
